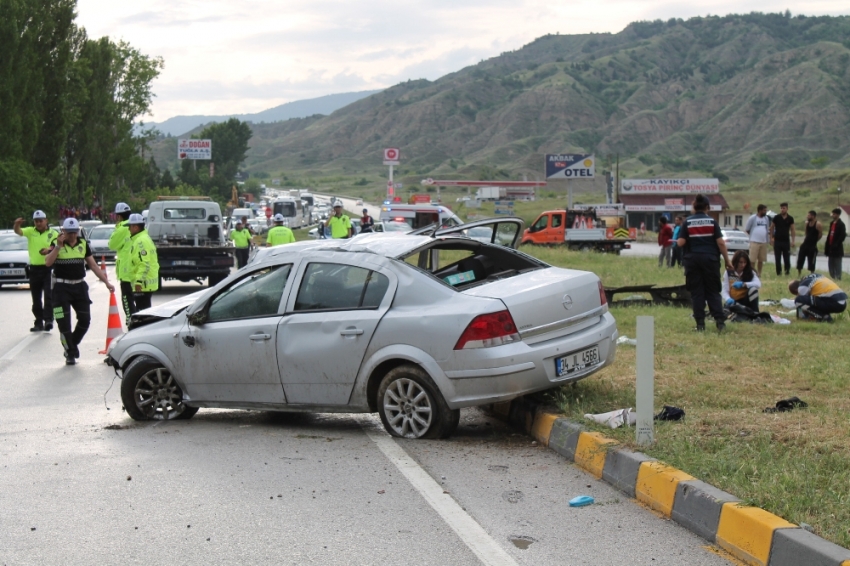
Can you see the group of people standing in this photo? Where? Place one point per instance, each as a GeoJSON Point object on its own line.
{"type": "Point", "coordinates": [57, 273]}
{"type": "Point", "coordinates": [702, 246]}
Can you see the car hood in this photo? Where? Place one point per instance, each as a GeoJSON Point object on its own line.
{"type": "Point", "coordinates": [165, 310]}
{"type": "Point", "coordinates": [16, 256]}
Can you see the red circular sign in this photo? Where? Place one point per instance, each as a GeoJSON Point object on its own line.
{"type": "Point", "coordinates": [391, 154]}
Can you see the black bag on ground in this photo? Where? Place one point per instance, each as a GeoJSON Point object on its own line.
{"type": "Point", "coordinates": [740, 313]}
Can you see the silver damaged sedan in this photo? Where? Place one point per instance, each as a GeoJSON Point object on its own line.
{"type": "Point", "coordinates": [414, 327]}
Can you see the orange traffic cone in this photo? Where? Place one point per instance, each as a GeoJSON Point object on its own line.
{"type": "Point", "coordinates": [113, 325]}
{"type": "Point", "coordinates": [103, 265]}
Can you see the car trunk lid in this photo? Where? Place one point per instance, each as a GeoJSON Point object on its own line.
{"type": "Point", "coordinates": [547, 303]}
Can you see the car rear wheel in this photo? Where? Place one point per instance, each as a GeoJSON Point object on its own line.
{"type": "Point", "coordinates": [411, 406]}
{"type": "Point", "coordinates": [149, 392]}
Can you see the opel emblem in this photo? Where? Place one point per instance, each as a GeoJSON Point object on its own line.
{"type": "Point", "coordinates": [568, 302]}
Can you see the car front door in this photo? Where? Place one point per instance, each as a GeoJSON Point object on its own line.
{"type": "Point", "coordinates": [228, 348]}
{"type": "Point", "coordinates": [331, 316]}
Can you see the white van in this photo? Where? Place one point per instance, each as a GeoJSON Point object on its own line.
{"type": "Point", "coordinates": [419, 215]}
{"type": "Point", "coordinates": [237, 215]}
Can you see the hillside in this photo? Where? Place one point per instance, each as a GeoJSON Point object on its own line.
{"type": "Point", "coordinates": [733, 96]}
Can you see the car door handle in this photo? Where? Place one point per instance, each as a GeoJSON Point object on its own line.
{"type": "Point", "coordinates": [257, 337]}
{"type": "Point", "coordinates": [351, 332]}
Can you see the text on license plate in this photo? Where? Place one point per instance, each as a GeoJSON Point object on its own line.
{"type": "Point", "coordinates": [11, 272]}
{"type": "Point", "coordinates": [183, 262]}
{"type": "Point", "coordinates": [576, 361]}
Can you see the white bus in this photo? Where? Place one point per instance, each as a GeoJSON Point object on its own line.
{"type": "Point", "coordinates": [292, 210]}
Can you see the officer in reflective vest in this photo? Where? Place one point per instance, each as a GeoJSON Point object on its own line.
{"type": "Point", "coordinates": [39, 239]}
{"type": "Point", "coordinates": [69, 256]}
{"type": "Point", "coordinates": [144, 265]}
{"type": "Point", "coordinates": [119, 242]}
{"type": "Point", "coordinates": [280, 234]}
{"type": "Point", "coordinates": [242, 242]}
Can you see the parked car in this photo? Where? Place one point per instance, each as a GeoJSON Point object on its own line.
{"type": "Point", "coordinates": [13, 259]}
{"type": "Point", "coordinates": [87, 225]}
{"type": "Point", "coordinates": [412, 327]}
{"type": "Point", "coordinates": [391, 226]}
{"type": "Point", "coordinates": [99, 242]}
{"type": "Point", "coordinates": [736, 240]}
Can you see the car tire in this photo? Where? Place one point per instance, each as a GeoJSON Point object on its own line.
{"type": "Point", "coordinates": [150, 393]}
{"type": "Point", "coordinates": [411, 405]}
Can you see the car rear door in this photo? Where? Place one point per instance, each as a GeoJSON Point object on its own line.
{"type": "Point", "coordinates": [336, 305]}
{"type": "Point", "coordinates": [504, 231]}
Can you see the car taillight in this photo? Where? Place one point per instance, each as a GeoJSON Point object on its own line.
{"type": "Point", "coordinates": [603, 300]}
{"type": "Point", "coordinates": [488, 330]}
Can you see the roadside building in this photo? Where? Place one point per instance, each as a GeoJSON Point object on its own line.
{"type": "Point", "coordinates": [647, 200]}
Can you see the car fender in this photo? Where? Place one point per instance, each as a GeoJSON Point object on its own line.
{"type": "Point", "coordinates": [145, 349]}
{"type": "Point", "coordinates": [396, 352]}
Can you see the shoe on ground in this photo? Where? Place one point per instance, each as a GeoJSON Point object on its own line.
{"type": "Point", "coordinates": [721, 326]}
{"type": "Point", "coordinates": [69, 360]}
{"type": "Point", "coordinates": [48, 326]}
{"type": "Point", "coordinates": [37, 327]}
{"type": "Point", "coordinates": [700, 328]}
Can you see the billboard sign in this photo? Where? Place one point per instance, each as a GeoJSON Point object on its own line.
{"type": "Point", "coordinates": [392, 156]}
{"type": "Point", "coordinates": [503, 207]}
{"type": "Point", "coordinates": [669, 186]}
{"type": "Point", "coordinates": [194, 149]}
{"type": "Point", "coordinates": [570, 166]}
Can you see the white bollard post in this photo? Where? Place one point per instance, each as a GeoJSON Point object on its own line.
{"type": "Point", "coordinates": [644, 431]}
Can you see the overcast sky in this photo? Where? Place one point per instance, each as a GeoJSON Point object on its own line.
{"type": "Point", "coordinates": [225, 57]}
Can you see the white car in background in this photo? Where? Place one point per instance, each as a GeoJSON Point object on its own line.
{"type": "Point", "coordinates": [14, 259]}
{"type": "Point", "coordinates": [99, 242]}
{"type": "Point", "coordinates": [735, 240]}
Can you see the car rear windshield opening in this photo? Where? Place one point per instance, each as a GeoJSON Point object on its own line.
{"type": "Point", "coordinates": [463, 264]}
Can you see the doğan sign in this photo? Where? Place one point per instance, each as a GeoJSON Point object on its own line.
{"type": "Point", "coordinates": [194, 149]}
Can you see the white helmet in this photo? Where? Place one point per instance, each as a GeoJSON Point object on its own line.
{"type": "Point", "coordinates": [122, 207]}
{"type": "Point", "coordinates": [136, 219]}
{"type": "Point", "coordinates": [278, 217]}
{"type": "Point", "coordinates": [38, 214]}
{"type": "Point", "coordinates": [71, 225]}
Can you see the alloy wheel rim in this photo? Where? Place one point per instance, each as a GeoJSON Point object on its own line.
{"type": "Point", "coordinates": [158, 396]}
{"type": "Point", "coordinates": [408, 408]}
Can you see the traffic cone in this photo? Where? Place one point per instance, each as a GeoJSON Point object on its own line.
{"type": "Point", "coordinates": [113, 325]}
{"type": "Point", "coordinates": [103, 265]}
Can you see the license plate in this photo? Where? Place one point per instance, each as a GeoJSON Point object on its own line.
{"type": "Point", "coordinates": [9, 272]}
{"type": "Point", "coordinates": [577, 361]}
{"type": "Point", "coordinates": [183, 262]}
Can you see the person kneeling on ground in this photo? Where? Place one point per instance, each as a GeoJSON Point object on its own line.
{"type": "Point", "coordinates": [817, 297]}
{"type": "Point", "coordinates": [741, 284]}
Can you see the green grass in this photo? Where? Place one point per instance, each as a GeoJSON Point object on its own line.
{"type": "Point", "coordinates": [794, 464]}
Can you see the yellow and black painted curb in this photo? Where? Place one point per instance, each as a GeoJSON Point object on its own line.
{"type": "Point", "coordinates": [750, 534]}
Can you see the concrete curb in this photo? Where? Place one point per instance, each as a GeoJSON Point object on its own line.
{"type": "Point", "coordinates": [748, 533]}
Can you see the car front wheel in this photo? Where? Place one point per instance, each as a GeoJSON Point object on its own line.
{"type": "Point", "coordinates": [149, 392]}
{"type": "Point", "coordinates": [411, 406]}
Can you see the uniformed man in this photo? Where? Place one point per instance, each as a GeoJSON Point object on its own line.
{"type": "Point", "coordinates": [339, 223]}
{"type": "Point", "coordinates": [39, 239]}
{"type": "Point", "coordinates": [144, 265]}
{"type": "Point", "coordinates": [69, 256]}
{"type": "Point", "coordinates": [279, 234]}
{"type": "Point", "coordinates": [702, 244]}
{"type": "Point", "coordinates": [119, 242]}
{"type": "Point", "coordinates": [242, 242]}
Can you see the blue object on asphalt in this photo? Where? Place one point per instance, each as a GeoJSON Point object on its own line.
{"type": "Point", "coordinates": [581, 501]}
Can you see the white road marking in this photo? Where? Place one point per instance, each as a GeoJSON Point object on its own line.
{"type": "Point", "coordinates": [470, 532]}
{"type": "Point", "coordinates": [20, 346]}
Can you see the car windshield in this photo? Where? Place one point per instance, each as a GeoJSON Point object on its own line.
{"type": "Point", "coordinates": [396, 226]}
{"type": "Point", "coordinates": [101, 233]}
{"type": "Point", "coordinates": [12, 243]}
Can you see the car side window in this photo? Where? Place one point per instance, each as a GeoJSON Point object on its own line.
{"type": "Point", "coordinates": [556, 220]}
{"type": "Point", "coordinates": [540, 224]}
{"type": "Point", "coordinates": [333, 286]}
{"type": "Point", "coordinates": [255, 295]}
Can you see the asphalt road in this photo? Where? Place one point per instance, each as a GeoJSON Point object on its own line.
{"type": "Point", "coordinates": [81, 483]}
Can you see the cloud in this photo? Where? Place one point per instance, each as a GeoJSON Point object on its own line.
{"type": "Point", "coordinates": [223, 57]}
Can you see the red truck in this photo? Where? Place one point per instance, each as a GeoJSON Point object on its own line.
{"type": "Point", "coordinates": [585, 227]}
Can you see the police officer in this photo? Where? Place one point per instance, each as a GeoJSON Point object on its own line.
{"type": "Point", "coordinates": [280, 234]}
{"type": "Point", "coordinates": [119, 242]}
{"type": "Point", "coordinates": [702, 243]}
{"type": "Point", "coordinates": [144, 265]}
{"type": "Point", "coordinates": [339, 223]}
{"type": "Point", "coordinates": [69, 256]}
{"type": "Point", "coordinates": [242, 241]}
{"type": "Point", "coordinates": [39, 239]}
